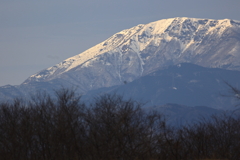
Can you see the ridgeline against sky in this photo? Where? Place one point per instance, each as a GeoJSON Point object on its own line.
{"type": "Point", "coordinates": [39, 34]}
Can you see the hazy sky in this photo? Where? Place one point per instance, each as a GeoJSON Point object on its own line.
{"type": "Point", "coordinates": [35, 35]}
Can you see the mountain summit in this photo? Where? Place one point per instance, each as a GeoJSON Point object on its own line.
{"type": "Point", "coordinates": [137, 51]}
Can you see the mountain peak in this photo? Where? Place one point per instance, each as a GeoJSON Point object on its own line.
{"type": "Point", "coordinates": [137, 51]}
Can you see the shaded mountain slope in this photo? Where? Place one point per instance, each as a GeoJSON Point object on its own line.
{"type": "Point", "coordinates": [185, 83]}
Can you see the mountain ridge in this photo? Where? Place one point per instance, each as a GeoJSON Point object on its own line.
{"type": "Point", "coordinates": [137, 51]}
{"type": "Point", "coordinates": [185, 84]}
{"type": "Point", "coordinates": [141, 50]}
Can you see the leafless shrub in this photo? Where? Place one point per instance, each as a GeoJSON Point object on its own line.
{"type": "Point", "coordinates": [63, 128]}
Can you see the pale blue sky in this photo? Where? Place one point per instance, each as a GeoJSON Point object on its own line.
{"type": "Point", "coordinates": [35, 35]}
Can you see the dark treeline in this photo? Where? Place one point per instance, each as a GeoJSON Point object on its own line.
{"type": "Point", "coordinates": [110, 128]}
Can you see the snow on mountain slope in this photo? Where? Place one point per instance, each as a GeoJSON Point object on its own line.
{"type": "Point", "coordinates": [144, 48]}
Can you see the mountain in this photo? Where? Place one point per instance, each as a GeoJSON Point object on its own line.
{"type": "Point", "coordinates": [139, 51]}
{"type": "Point", "coordinates": [181, 115]}
{"type": "Point", "coordinates": [185, 83]}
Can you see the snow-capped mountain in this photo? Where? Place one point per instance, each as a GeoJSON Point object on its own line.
{"type": "Point", "coordinates": [140, 50]}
